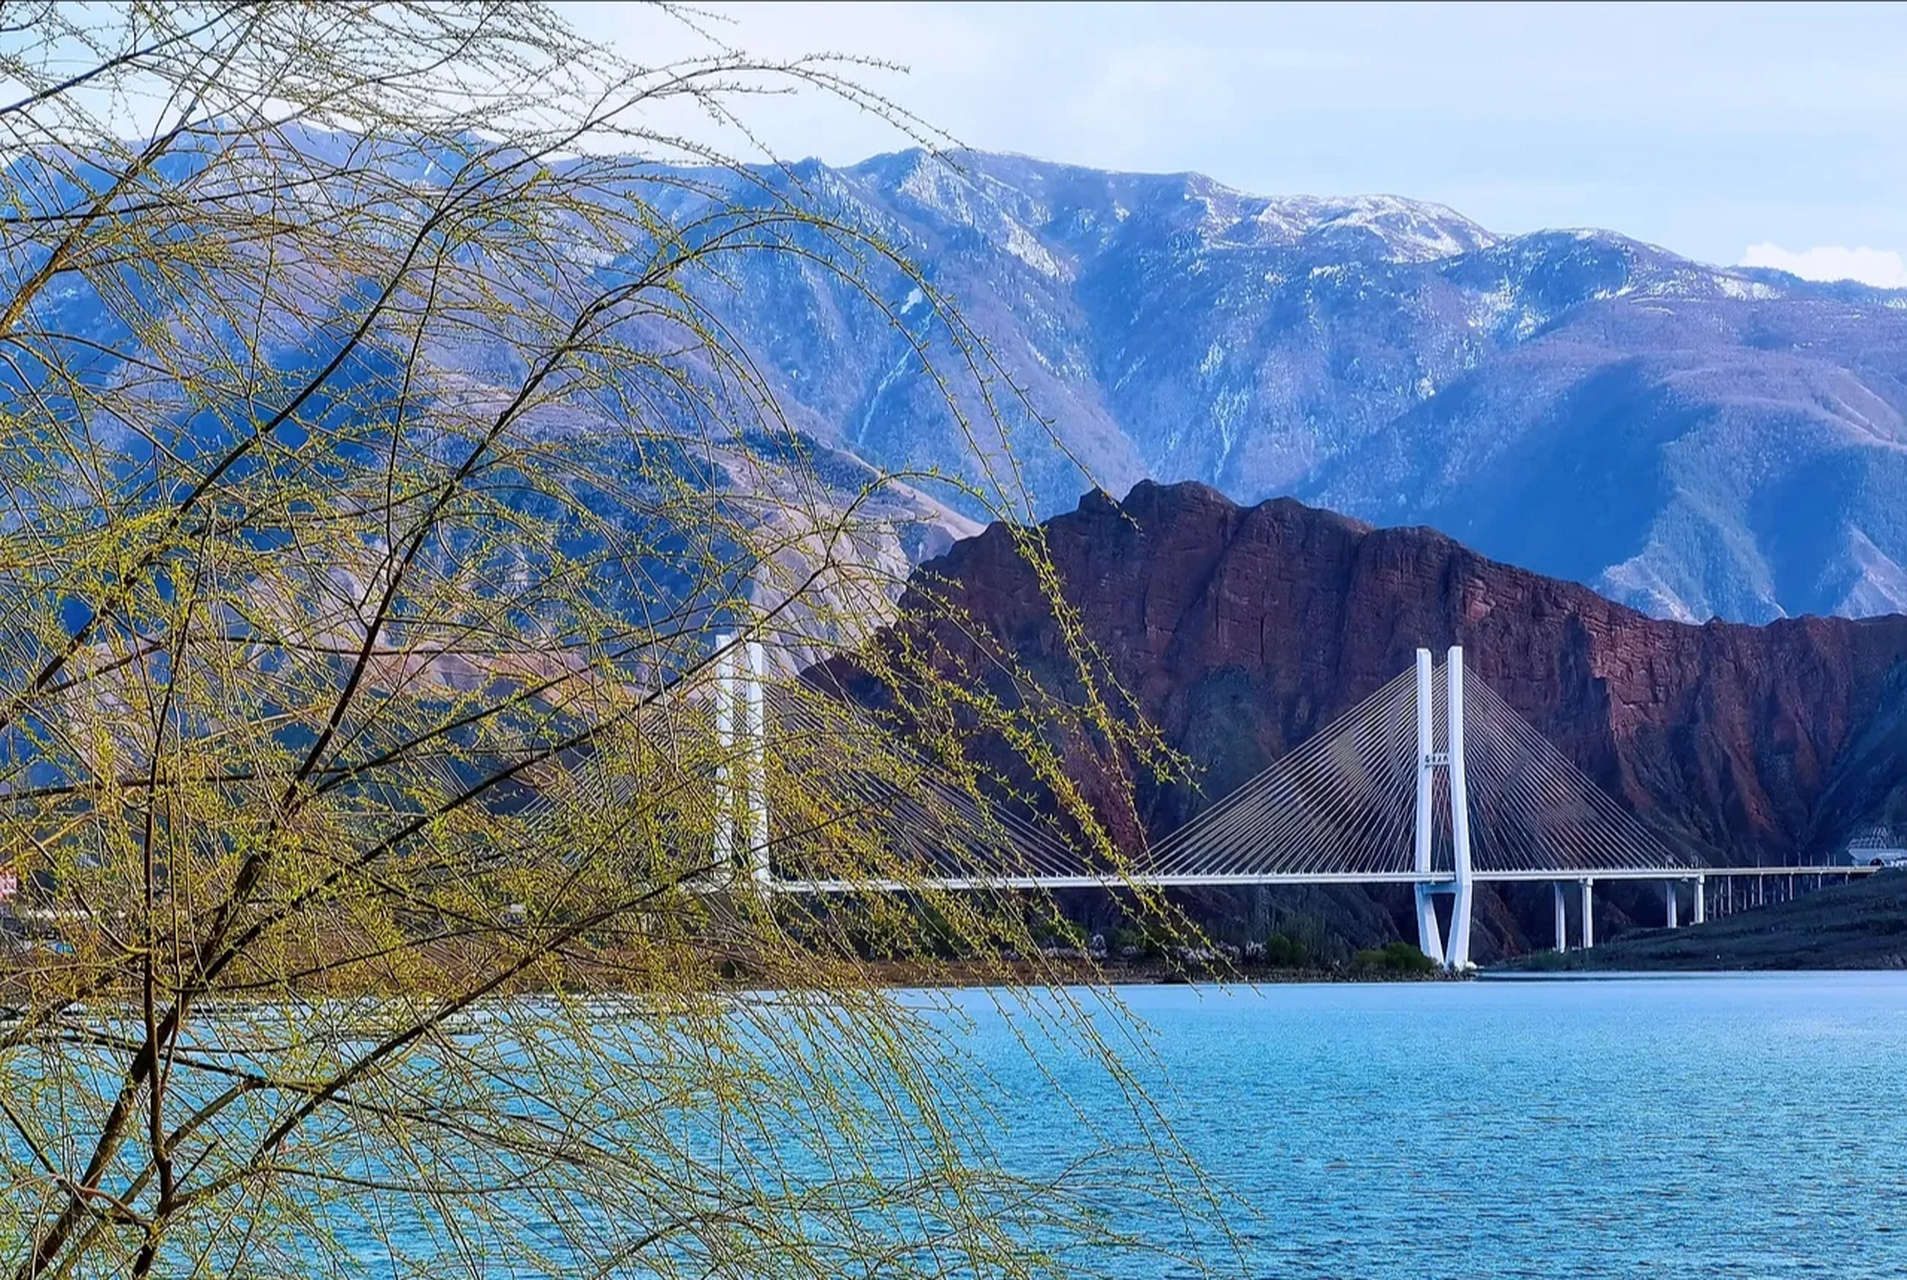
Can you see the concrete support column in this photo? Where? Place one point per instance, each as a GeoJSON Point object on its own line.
{"type": "Point", "coordinates": [1701, 899]}
{"type": "Point", "coordinates": [1589, 913]}
{"type": "Point", "coordinates": [1669, 904]}
{"type": "Point", "coordinates": [1429, 937]}
{"type": "Point", "coordinates": [1458, 957]}
{"type": "Point", "coordinates": [724, 850]}
{"type": "Point", "coordinates": [1562, 917]}
{"type": "Point", "coordinates": [756, 729]}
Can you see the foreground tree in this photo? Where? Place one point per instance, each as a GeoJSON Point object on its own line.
{"type": "Point", "coordinates": [382, 505]}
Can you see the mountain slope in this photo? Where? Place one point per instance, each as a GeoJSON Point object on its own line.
{"type": "Point", "coordinates": [1742, 475]}
{"type": "Point", "coordinates": [1691, 440]}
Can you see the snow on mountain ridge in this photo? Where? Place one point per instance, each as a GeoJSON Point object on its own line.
{"type": "Point", "coordinates": [1702, 426]}
{"type": "Point", "coordinates": [1409, 230]}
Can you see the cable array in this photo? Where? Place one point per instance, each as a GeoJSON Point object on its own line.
{"type": "Point", "coordinates": [1532, 809]}
{"type": "Point", "coordinates": [1343, 802]}
{"type": "Point", "coordinates": [929, 829]}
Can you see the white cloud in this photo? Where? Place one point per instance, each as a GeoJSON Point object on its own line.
{"type": "Point", "coordinates": [1882, 268]}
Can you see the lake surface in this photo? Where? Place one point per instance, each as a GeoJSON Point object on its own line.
{"type": "Point", "coordinates": [1692, 1125]}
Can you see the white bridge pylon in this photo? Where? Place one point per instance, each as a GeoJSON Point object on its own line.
{"type": "Point", "coordinates": [741, 693]}
{"type": "Point", "coordinates": [1462, 883]}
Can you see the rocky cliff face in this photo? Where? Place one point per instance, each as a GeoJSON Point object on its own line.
{"type": "Point", "coordinates": [1241, 630]}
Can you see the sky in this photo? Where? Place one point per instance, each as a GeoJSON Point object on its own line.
{"type": "Point", "coordinates": [1770, 135]}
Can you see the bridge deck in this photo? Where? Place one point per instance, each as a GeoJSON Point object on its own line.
{"type": "Point", "coordinates": [1140, 881]}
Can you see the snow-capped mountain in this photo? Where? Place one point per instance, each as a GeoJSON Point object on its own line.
{"type": "Point", "coordinates": [1690, 439]}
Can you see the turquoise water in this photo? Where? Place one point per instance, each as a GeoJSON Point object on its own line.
{"type": "Point", "coordinates": [1751, 1126]}
{"type": "Point", "coordinates": [1688, 1126]}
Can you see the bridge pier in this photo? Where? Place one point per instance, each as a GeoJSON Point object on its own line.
{"type": "Point", "coordinates": [741, 776]}
{"type": "Point", "coordinates": [1429, 937]}
{"type": "Point", "coordinates": [1457, 958]}
{"type": "Point", "coordinates": [1589, 912]}
{"type": "Point", "coordinates": [1562, 917]}
{"type": "Point", "coordinates": [1668, 903]}
{"type": "Point", "coordinates": [755, 793]}
{"type": "Point", "coordinates": [1701, 899]}
{"type": "Point", "coordinates": [1454, 955]}
{"type": "Point", "coordinates": [724, 849]}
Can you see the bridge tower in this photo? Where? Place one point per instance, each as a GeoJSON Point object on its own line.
{"type": "Point", "coordinates": [1455, 956]}
{"type": "Point", "coordinates": [741, 779]}
{"type": "Point", "coordinates": [755, 729]}
{"type": "Point", "coordinates": [723, 854]}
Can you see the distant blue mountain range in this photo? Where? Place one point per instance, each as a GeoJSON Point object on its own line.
{"type": "Point", "coordinates": [1688, 439]}
{"type": "Point", "coordinates": [1692, 440]}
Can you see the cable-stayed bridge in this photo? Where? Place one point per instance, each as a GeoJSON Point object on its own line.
{"type": "Point", "coordinates": [1432, 781]}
